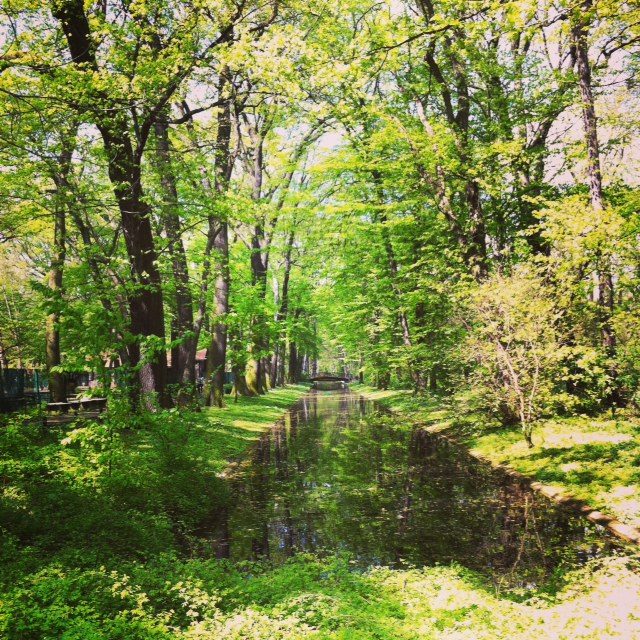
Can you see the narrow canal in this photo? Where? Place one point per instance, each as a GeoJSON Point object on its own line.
{"type": "Point", "coordinates": [338, 474]}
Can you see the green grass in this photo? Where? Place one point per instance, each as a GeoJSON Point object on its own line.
{"type": "Point", "coordinates": [97, 544]}
{"type": "Point", "coordinates": [595, 459]}
{"type": "Point", "coordinates": [228, 432]}
{"type": "Point", "coordinates": [308, 597]}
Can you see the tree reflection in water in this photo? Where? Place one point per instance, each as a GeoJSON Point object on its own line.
{"type": "Point", "coordinates": [339, 474]}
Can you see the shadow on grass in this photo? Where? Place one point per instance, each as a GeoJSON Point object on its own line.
{"type": "Point", "coordinates": [229, 431]}
{"type": "Point", "coordinates": [595, 462]}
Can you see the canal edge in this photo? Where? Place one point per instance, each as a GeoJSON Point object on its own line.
{"type": "Point", "coordinates": [623, 531]}
{"type": "Point", "coordinates": [234, 463]}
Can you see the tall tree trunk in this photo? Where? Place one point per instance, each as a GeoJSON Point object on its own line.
{"type": "Point", "coordinates": [477, 249]}
{"type": "Point", "coordinates": [240, 382]}
{"type": "Point", "coordinates": [259, 269]}
{"type": "Point", "coordinates": [146, 307]}
{"type": "Point", "coordinates": [579, 32]}
{"type": "Point", "coordinates": [57, 382]}
{"type": "Point", "coordinates": [273, 367]}
{"type": "Point", "coordinates": [61, 178]}
{"type": "Point", "coordinates": [282, 367]}
{"type": "Point", "coordinates": [606, 293]}
{"type": "Point", "coordinates": [293, 375]}
{"type": "Point", "coordinates": [184, 373]}
{"type": "Point", "coordinates": [252, 376]}
{"type": "Point", "coordinates": [283, 310]}
{"type": "Point", "coordinates": [217, 358]}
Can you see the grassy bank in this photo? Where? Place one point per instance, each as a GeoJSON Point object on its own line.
{"type": "Point", "coordinates": [99, 542]}
{"type": "Point", "coordinates": [595, 459]}
{"type": "Point", "coordinates": [319, 599]}
{"type": "Point", "coordinates": [228, 432]}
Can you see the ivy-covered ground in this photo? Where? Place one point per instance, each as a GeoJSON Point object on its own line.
{"type": "Point", "coordinates": [100, 541]}
{"type": "Point", "coordinates": [594, 458]}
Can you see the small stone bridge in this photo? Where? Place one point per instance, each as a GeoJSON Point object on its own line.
{"type": "Point", "coordinates": [327, 377]}
{"type": "Point", "coordinates": [328, 382]}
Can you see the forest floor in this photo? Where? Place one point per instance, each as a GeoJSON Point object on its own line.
{"type": "Point", "coordinates": [595, 459]}
{"type": "Point", "coordinates": [98, 544]}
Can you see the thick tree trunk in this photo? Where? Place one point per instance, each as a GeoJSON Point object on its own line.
{"type": "Point", "coordinates": [217, 360]}
{"type": "Point", "coordinates": [256, 379]}
{"type": "Point", "coordinates": [264, 370]}
{"type": "Point", "coordinates": [477, 248]}
{"type": "Point", "coordinates": [273, 367]}
{"type": "Point", "coordinates": [256, 373]}
{"type": "Point", "coordinates": [252, 376]}
{"type": "Point", "coordinates": [579, 32]}
{"type": "Point", "coordinates": [283, 310]}
{"type": "Point", "coordinates": [146, 307]}
{"type": "Point", "coordinates": [240, 383]}
{"type": "Point", "coordinates": [292, 376]}
{"type": "Point", "coordinates": [213, 229]}
{"type": "Point", "coordinates": [57, 380]}
{"type": "Point", "coordinates": [282, 377]}
{"type": "Point", "coordinates": [146, 310]}
{"type": "Point", "coordinates": [456, 103]}
{"type": "Point", "coordinates": [217, 356]}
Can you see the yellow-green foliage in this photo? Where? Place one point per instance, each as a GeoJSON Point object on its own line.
{"type": "Point", "coordinates": [314, 598]}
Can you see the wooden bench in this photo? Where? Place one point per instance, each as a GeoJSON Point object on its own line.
{"type": "Point", "coordinates": [93, 404]}
{"type": "Point", "coordinates": [58, 407]}
{"type": "Point", "coordinates": [83, 404]}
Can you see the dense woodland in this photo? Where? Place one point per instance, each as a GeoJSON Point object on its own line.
{"type": "Point", "coordinates": [439, 195]}
{"type": "Point", "coordinates": [434, 194]}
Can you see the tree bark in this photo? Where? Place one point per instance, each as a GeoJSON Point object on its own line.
{"type": "Point", "coordinates": [217, 357]}
{"type": "Point", "coordinates": [57, 379]}
{"type": "Point", "coordinates": [579, 33]}
{"type": "Point", "coordinates": [456, 103]}
{"type": "Point", "coordinates": [606, 293]}
{"type": "Point", "coordinates": [184, 372]}
{"type": "Point", "coordinates": [283, 310]}
{"type": "Point", "coordinates": [293, 374]}
{"type": "Point", "coordinates": [146, 307]}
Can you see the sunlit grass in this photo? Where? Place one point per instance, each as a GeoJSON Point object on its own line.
{"type": "Point", "coordinates": [228, 432]}
{"type": "Point", "coordinates": [594, 460]}
{"type": "Point", "coordinates": [326, 599]}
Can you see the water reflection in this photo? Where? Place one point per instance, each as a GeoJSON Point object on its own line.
{"type": "Point", "coordinates": [336, 474]}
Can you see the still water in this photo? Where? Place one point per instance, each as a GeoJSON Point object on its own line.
{"type": "Point", "coordinates": [339, 474]}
